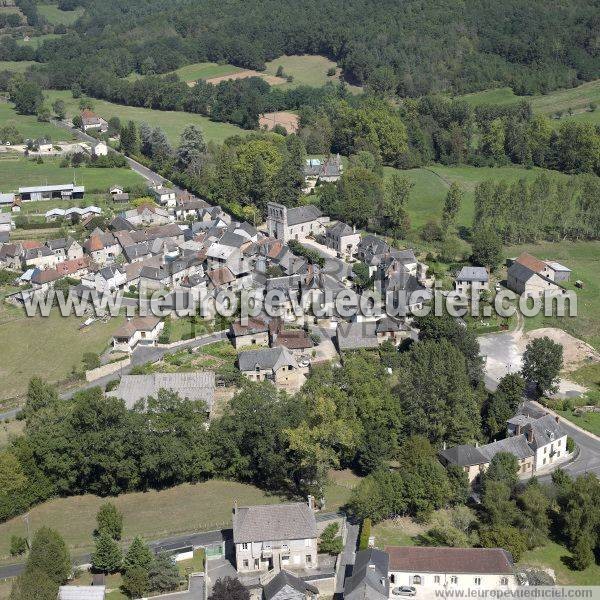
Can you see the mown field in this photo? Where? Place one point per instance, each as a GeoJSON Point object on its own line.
{"type": "Point", "coordinates": [15, 66]}
{"type": "Point", "coordinates": [432, 184]}
{"type": "Point", "coordinates": [205, 70]}
{"type": "Point", "coordinates": [18, 172]}
{"type": "Point", "coordinates": [48, 347]}
{"type": "Point", "coordinates": [37, 41]}
{"type": "Point", "coordinates": [583, 259]}
{"type": "Point", "coordinates": [171, 122]}
{"type": "Point", "coordinates": [59, 17]}
{"type": "Point", "coordinates": [29, 126]}
{"type": "Point", "coordinates": [576, 99]}
{"type": "Point", "coordinates": [153, 515]}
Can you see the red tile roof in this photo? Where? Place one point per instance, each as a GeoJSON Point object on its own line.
{"type": "Point", "coordinates": [30, 244]}
{"type": "Point", "coordinates": [450, 560]}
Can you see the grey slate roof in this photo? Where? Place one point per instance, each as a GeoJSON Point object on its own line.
{"type": "Point", "coordinates": [232, 239]}
{"type": "Point", "coordinates": [369, 579]}
{"type": "Point", "coordinates": [269, 358]}
{"type": "Point", "coordinates": [464, 456]}
{"type": "Point", "coordinates": [356, 335]}
{"type": "Point", "coordinates": [303, 214]}
{"type": "Point", "coordinates": [284, 579]}
{"type": "Point", "coordinates": [340, 229]}
{"type": "Point", "coordinates": [516, 445]}
{"type": "Point", "coordinates": [545, 430]}
{"type": "Point", "coordinates": [274, 522]}
{"type": "Point", "coordinates": [199, 385]}
{"type": "Point", "coordinates": [473, 274]}
{"type": "Point", "coordinates": [136, 251]}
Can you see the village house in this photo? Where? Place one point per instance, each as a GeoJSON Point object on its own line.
{"type": "Point", "coordinates": [191, 208]}
{"type": "Point", "coordinates": [316, 171]}
{"type": "Point", "coordinates": [41, 258]}
{"type": "Point", "coordinates": [471, 279]}
{"type": "Point", "coordinates": [106, 279]}
{"type": "Point", "coordinates": [435, 568]}
{"type": "Point", "coordinates": [147, 214]}
{"type": "Point", "coordinates": [530, 276]}
{"type": "Point", "coordinates": [10, 256]}
{"type": "Point", "coordinates": [343, 239]}
{"type": "Point", "coordinates": [275, 536]}
{"type": "Point", "coordinates": [271, 364]}
{"type": "Point", "coordinates": [6, 223]}
{"type": "Point", "coordinates": [65, 248]}
{"type": "Point", "coordinates": [164, 196]}
{"type": "Point", "coordinates": [141, 330]}
{"type": "Point", "coordinates": [254, 333]}
{"type": "Point", "coordinates": [297, 341]}
{"type": "Point", "coordinates": [286, 586]}
{"type": "Point", "coordinates": [102, 247]}
{"type": "Point", "coordinates": [196, 386]}
{"type": "Point", "coordinates": [369, 579]}
{"type": "Point", "coordinates": [74, 213]}
{"type": "Point", "coordinates": [393, 330]}
{"type": "Point", "coordinates": [91, 120]}
{"type": "Point", "coordinates": [295, 223]}
{"type": "Point", "coordinates": [100, 149]}
{"type": "Point", "coordinates": [67, 191]}
{"type": "Point", "coordinates": [357, 335]}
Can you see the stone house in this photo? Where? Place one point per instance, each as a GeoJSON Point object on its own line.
{"type": "Point", "coordinates": [271, 364]}
{"type": "Point", "coordinates": [254, 333]}
{"type": "Point", "coordinates": [286, 586]}
{"type": "Point", "coordinates": [141, 330]}
{"type": "Point", "coordinates": [343, 239]}
{"type": "Point", "coordinates": [295, 223]}
{"type": "Point", "coordinates": [275, 536]}
{"type": "Point", "coordinates": [471, 279]}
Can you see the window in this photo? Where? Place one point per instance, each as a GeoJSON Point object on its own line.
{"type": "Point", "coordinates": [307, 543]}
{"type": "Point", "coordinates": [417, 580]}
{"type": "Point", "coordinates": [256, 563]}
{"type": "Point", "coordinates": [477, 580]}
{"type": "Point", "coordinates": [308, 559]}
{"type": "Point", "coordinates": [245, 546]}
{"type": "Point", "coordinates": [436, 579]}
{"type": "Point", "coordinates": [245, 563]}
{"type": "Point", "coordinates": [454, 579]}
{"type": "Point", "coordinates": [503, 580]}
{"type": "Point", "coordinates": [392, 578]}
{"type": "Point", "coordinates": [544, 461]}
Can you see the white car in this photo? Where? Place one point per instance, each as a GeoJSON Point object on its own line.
{"type": "Point", "coordinates": [405, 590]}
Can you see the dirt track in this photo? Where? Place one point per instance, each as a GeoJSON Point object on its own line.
{"type": "Point", "coordinates": [270, 79]}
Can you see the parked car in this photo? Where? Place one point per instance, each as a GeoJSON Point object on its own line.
{"type": "Point", "coordinates": [405, 590]}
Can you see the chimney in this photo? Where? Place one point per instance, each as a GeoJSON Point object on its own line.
{"type": "Point", "coordinates": [518, 429]}
{"type": "Point", "coordinates": [311, 502]}
{"type": "Point", "coordinates": [235, 507]}
{"type": "Point", "coordinates": [556, 418]}
{"type": "Point", "coordinates": [529, 435]}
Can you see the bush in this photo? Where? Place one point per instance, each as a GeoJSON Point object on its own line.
{"type": "Point", "coordinates": [18, 545]}
{"type": "Point", "coordinates": [90, 360]}
{"type": "Point", "coordinates": [330, 541]}
{"type": "Point", "coordinates": [312, 256]}
{"type": "Point", "coordinates": [570, 444]}
{"type": "Point", "coordinates": [111, 385]}
{"type": "Point", "coordinates": [365, 534]}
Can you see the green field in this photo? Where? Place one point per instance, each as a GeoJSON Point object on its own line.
{"type": "Point", "coordinates": [577, 99]}
{"type": "Point", "coordinates": [432, 183]}
{"type": "Point", "coordinates": [306, 69]}
{"type": "Point", "coordinates": [172, 122]}
{"type": "Point", "coordinates": [59, 17]}
{"type": "Point", "coordinates": [18, 172]}
{"type": "Point", "coordinates": [153, 515]}
{"type": "Point", "coordinates": [582, 258]}
{"type": "Point", "coordinates": [15, 66]}
{"type": "Point", "coordinates": [47, 347]}
{"type": "Point", "coordinates": [37, 41]}
{"type": "Point", "coordinates": [205, 70]}
{"type": "Point", "coordinates": [29, 126]}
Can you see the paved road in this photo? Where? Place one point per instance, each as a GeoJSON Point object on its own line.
{"type": "Point", "coordinates": [347, 557]}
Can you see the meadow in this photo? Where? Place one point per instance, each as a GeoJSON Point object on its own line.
{"type": "Point", "coordinates": [48, 347]}
{"type": "Point", "coordinates": [29, 126]}
{"type": "Point", "coordinates": [54, 15]}
{"type": "Point", "coordinates": [37, 41]}
{"type": "Point", "coordinates": [15, 66]}
{"type": "Point", "coordinates": [431, 185]}
{"type": "Point", "coordinates": [576, 99]}
{"type": "Point", "coordinates": [152, 515]}
{"type": "Point", "coordinates": [17, 172]}
{"type": "Point", "coordinates": [172, 122]}
{"type": "Point", "coordinates": [205, 70]}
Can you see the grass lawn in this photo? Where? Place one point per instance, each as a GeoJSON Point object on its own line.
{"type": "Point", "coordinates": [172, 122]}
{"type": "Point", "coordinates": [38, 40]}
{"type": "Point", "coordinates": [152, 515]}
{"type": "Point", "coordinates": [17, 66]}
{"type": "Point", "coordinates": [432, 183]}
{"type": "Point", "coordinates": [22, 171]}
{"type": "Point", "coordinates": [48, 347]}
{"type": "Point", "coordinates": [396, 532]}
{"type": "Point", "coordinates": [582, 258]}
{"type": "Point", "coordinates": [205, 70]}
{"type": "Point", "coordinates": [307, 69]}
{"type": "Point", "coordinates": [588, 375]}
{"type": "Point", "coordinates": [588, 421]}
{"type": "Point", "coordinates": [28, 125]}
{"type": "Point", "coordinates": [557, 557]}
{"type": "Point", "coordinates": [193, 565]}
{"type": "Point", "coordinates": [9, 429]}
{"type": "Point", "coordinates": [59, 17]}
{"type": "Point", "coordinates": [577, 99]}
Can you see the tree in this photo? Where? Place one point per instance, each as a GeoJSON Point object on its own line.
{"type": "Point", "coordinates": [191, 153]}
{"type": "Point", "coordinates": [130, 140]}
{"type": "Point", "coordinates": [34, 585]}
{"type": "Point", "coordinates": [135, 582]}
{"type": "Point", "coordinates": [397, 191]}
{"type": "Point", "coordinates": [12, 477]}
{"type": "Point", "coordinates": [163, 575]}
{"type": "Point", "coordinates": [138, 555]}
{"type": "Point", "coordinates": [330, 542]}
{"type": "Point", "coordinates": [49, 555]}
{"type": "Point", "coordinates": [460, 488]}
{"type": "Point", "coordinates": [107, 556]}
{"type": "Point", "coordinates": [43, 113]}
{"type": "Point", "coordinates": [487, 247]}
{"type": "Point", "coordinates": [18, 545]}
{"type": "Point", "coordinates": [534, 505]}
{"type": "Point", "coordinates": [504, 468]}
{"type": "Point", "coordinates": [26, 95]}
{"type": "Point", "coordinates": [76, 90]}
{"type": "Point", "coordinates": [503, 403]}
{"type": "Point", "coordinates": [542, 363]}
{"type": "Point", "coordinates": [109, 520]}
{"type": "Point", "coordinates": [509, 538]}
{"type": "Point", "coordinates": [359, 195]}
{"type": "Point", "coordinates": [452, 205]}
{"type": "Point", "coordinates": [60, 109]}
{"type": "Point", "coordinates": [77, 122]}
{"type": "Point", "coordinates": [229, 589]}
{"type": "Point", "coordinates": [10, 134]}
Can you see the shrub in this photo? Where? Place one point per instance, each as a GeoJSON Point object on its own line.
{"type": "Point", "coordinates": [570, 444]}
{"type": "Point", "coordinates": [365, 534]}
{"type": "Point", "coordinates": [330, 541]}
{"type": "Point", "coordinates": [18, 545]}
